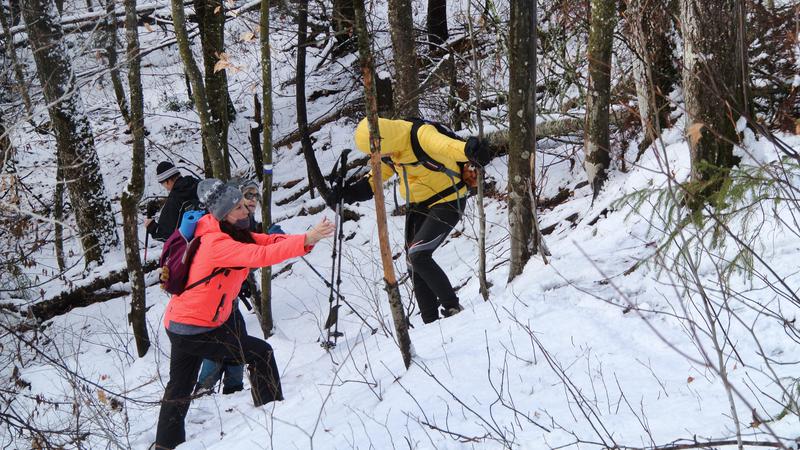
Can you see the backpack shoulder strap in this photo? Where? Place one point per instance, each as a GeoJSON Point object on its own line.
{"type": "Point", "coordinates": [419, 152]}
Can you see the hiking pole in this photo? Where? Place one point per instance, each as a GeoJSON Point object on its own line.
{"type": "Point", "coordinates": [344, 300]}
{"type": "Point", "coordinates": [333, 313]}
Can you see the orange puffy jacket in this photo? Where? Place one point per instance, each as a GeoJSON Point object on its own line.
{"type": "Point", "coordinates": [210, 304]}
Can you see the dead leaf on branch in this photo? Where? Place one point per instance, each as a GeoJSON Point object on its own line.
{"type": "Point", "coordinates": [217, 9]}
{"type": "Point", "coordinates": [247, 36]}
{"type": "Point", "coordinates": [695, 132]}
{"type": "Point", "coordinates": [225, 64]}
{"type": "Point", "coordinates": [148, 27]}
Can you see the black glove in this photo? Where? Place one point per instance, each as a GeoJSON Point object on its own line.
{"type": "Point", "coordinates": [152, 208]}
{"type": "Point", "coordinates": [333, 197]}
{"type": "Point", "coordinates": [356, 192]}
{"type": "Point", "coordinates": [477, 151]}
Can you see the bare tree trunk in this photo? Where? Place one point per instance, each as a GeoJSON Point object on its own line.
{"type": "Point", "coordinates": [342, 24]}
{"type": "Point", "coordinates": [521, 134]}
{"type": "Point", "coordinates": [315, 178]}
{"type": "Point", "coordinates": [201, 105]}
{"type": "Point", "coordinates": [714, 90]}
{"type": "Point", "coordinates": [73, 132]}
{"type": "Point", "coordinates": [266, 187]}
{"type": "Point", "coordinates": [371, 100]}
{"type": "Point", "coordinates": [19, 76]}
{"type": "Point", "coordinates": [133, 193]}
{"type": "Point", "coordinates": [111, 54]}
{"type": "Point", "coordinates": [256, 127]}
{"type": "Point", "coordinates": [649, 26]}
{"type": "Point", "coordinates": [598, 93]}
{"type": "Point", "coordinates": [58, 216]}
{"type": "Point", "coordinates": [401, 29]}
{"type": "Point", "coordinates": [476, 69]}
{"type": "Point", "coordinates": [6, 150]}
{"type": "Point", "coordinates": [211, 21]}
{"type": "Point", "coordinates": [437, 23]}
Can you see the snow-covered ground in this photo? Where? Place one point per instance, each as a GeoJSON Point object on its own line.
{"type": "Point", "coordinates": [584, 351]}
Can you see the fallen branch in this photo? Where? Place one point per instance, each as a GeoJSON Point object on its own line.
{"type": "Point", "coordinates": [85, 295]}
{"type": "Point", "coordinates": [348, 110]}
{"type": "Point", "coordinates": [706, 444]}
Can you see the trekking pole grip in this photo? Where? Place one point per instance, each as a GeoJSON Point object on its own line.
{"type": "Point", "coordinates": [343, 166]}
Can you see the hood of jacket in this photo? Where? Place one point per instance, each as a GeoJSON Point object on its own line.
{"type": "Point", "coordinates": [185, 188]}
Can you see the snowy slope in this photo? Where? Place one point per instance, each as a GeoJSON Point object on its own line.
{"type": "Point", "coordinates": [572, 354]}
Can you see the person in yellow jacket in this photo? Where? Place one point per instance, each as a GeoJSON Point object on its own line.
{"type": "Point", "coordinates": [428, 164]}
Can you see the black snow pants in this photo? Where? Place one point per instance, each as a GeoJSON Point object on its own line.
{"type": "Point", "coordinates": [426, 229]}
{"type": "Point", "coordinates": [224, 343]}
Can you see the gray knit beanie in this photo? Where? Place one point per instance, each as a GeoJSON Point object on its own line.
{"type": "Point", "coordinates": [243, 183]}
{"type": "Point", "coordinates": [218, 197]}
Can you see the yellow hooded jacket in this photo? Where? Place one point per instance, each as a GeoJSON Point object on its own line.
{"type": "Point", "coordinates": [423, 183]}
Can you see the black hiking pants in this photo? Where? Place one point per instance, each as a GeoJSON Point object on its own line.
{"type": "Point", "coordinates": [426, 229]}
{"type": "Point", "coordinates": [224, 343]}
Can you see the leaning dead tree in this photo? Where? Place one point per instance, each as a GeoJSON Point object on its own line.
{"type": "Point", "coordinates": [371, 100]}
{"type": "Point", "coordinates": [315, 177]}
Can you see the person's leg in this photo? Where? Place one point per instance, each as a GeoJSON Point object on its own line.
{"type": "Point", "coordinates": [234, 378]}
{"type": "Point", "coordinates": [234, 373]}
{"type": "Point", "coordinates": [426, 298]}
{"type": "Point", "coordinates": [210, 373]}
{"type": "Point", "coordinates": [265, 378]}
{"type": "Point", "coordinates": [183, 368]}
{"type": "Point", "coordinates": [438, 223]}
{"type": "Point", "coordinates": [225, 344]}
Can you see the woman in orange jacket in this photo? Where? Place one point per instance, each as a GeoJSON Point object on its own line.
{"type": "Point", "coordinates": [200, 322]}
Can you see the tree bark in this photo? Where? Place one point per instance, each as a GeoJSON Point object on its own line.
{"type": "Point", "coordinates": [211, 139]}
{"type": "Point", "coordinates": [111, 54]}
{"type": "Point", "coordinates": [6, 150]}
{"type": "Point", "coordinates": [58, 216]}
{"type": "Point", "coordinates": [649, 27]}
{"type": "Point", "coordinates": [598, 93]}
{"type": "Point", "coordinates": [74, 139]}
{"type": "Point", "coordinates": [476, 69]}
{"type": "Point", "coordinates": [133, 193]}
{"type": "Point", "coordinates": [267, 323]}
{"type": "Point", "coordinates": [211, 22]}
{"type": "Point", "coordinates": [315, 177]}
{"type": "Point", "coordinates": [714, 90]}
{"type": "Point", "coordinates": [19, 76]}
{"type": "Point", "coordinates": [401, 29]}
{"type": "Point", "coordinates": [437, 23]}
{"type": "Point", "coordinates": [521, 134]}
{"type": "Point", "coordinates": [256, 127]}
{"type": "Point", "coordinates": [371, 101]}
